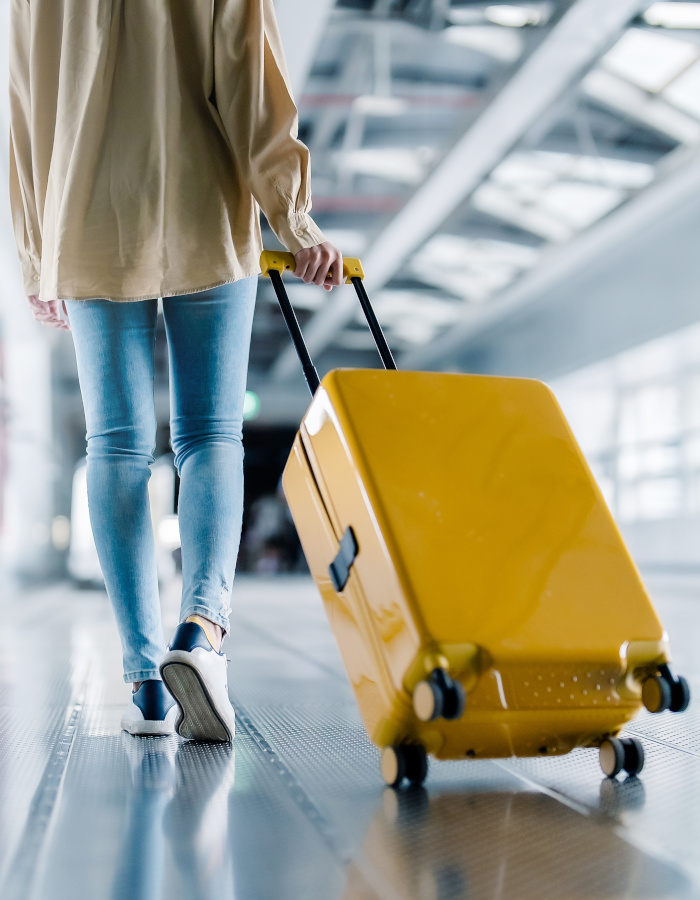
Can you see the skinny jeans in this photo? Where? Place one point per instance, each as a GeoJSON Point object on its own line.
{"type": "Point", "coordinates": [208, 335]}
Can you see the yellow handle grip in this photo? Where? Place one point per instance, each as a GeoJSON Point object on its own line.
{"type": "Point", "coordinates": [281, 261]}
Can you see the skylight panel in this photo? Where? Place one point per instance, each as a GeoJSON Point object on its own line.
{"type": "Point", "coordinates": [517, 16]}
{"type": "Point", "coordinates": [673, 15]}
{"type": "Point", "coordinates": [452, 251]}
{"type": "Point", "coordinates": [397, 164]}
{"type": "Point", "coordinates": [503, 204]}
{"type": "Point", "coordinates": [555, 212]}
{"type": "Point", "coordinates": [621, 173]}
{"type": "Point", "coordinates": [394, 305]}
{"type": "Point", "coordinates": [472, 268]}
{"type": "Point", "coordinates": [541, 168]}
{"type": "Point", "coordinates": [631, 101]}
{"type": "Point", "coordinates": [523, 169]}
{"type": "Point", "coordinates": [684, 92]}
{"type": "Point", "coordinates": [473, 287]}
{"type": "Point", "coordinates": [580, 205]}
{"type": "Point", "coordinates": [648, 59]}
{"type": "Point", "coordinates": [500, 43]}
{"type": "Point", "coordinates": [414, 317]}
{"type": "Point", "coordinates": [507, 15]}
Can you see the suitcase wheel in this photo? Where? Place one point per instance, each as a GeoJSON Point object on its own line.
{"type": "Point", "coordinates": [663, 691]}
{"type": "Point", "coordinates": [656, 694]}
{"type": "Point", "coordinates": [439, 696]}
{"type": "Point", "coordinates": [680, 695]}
{"type": "Point", "coordinates": [617, 754]}
{"type": "Point", "coordinates": [409, 761]}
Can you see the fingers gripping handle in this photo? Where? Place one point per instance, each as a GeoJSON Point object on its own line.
{"type": "Point", "coordinates": [281, 262]}
{"type": "Point", "coordinates": [273, 264]}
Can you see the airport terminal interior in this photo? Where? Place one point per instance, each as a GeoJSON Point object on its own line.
{"type": "Point", "coordinates": [521, 181]}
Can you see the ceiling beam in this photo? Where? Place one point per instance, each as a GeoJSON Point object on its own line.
{"type": "Point", "coordinates": [582, 35]}
{"type": "Point", "coordinates": [555, 281]}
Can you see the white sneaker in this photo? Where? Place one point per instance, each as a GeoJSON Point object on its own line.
{"type": "Point", "coordinates": [151, 710]}
{"type": "Point", "coordinates": [196, 677]}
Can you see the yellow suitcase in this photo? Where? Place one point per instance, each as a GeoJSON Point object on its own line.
{"type": "Point", "coordinates": [482, 598]}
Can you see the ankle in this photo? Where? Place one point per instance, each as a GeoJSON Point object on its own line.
{"type": "Point", "coordinates": [214, 632]}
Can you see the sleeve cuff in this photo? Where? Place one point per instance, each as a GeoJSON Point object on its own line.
{"type": "Point", "coordinates": [299, 232]}
{"type": "Point", "coordinates": [31, 278]}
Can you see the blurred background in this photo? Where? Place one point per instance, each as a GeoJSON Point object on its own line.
{"type": "Point", "coordinates": [522, 182]}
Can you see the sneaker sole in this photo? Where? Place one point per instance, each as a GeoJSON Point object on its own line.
{"type": "Point", "coordinates": [198, 719]}
{"type": "Point", "coordinates": [148, 729]}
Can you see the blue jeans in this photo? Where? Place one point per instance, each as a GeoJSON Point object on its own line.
{"type": "Point", "coordinates": [208, 340]}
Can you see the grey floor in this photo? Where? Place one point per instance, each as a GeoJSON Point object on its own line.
{"type": "Point", "coordinates": [297, 808]}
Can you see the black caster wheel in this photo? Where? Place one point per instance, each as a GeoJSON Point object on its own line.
{"type": "Point", "coordinates": [455, 702]}
{"type": "Point", "coordinates": [416, 764]}
{"type": "Point", "coordinates": [657, 694]}
{"type": "Point", "coordinates": [680, 695]}
{"type": "Point", "coordinates": [617, 754]}
{"type": "Point", "coordinates": [408, 761]}
{"type": "Point", "coordinates": [634, 756]}
{"type": "Point", "coordinates": [439, 697]}
{"type": "Point", "coordinates": [664, 691]}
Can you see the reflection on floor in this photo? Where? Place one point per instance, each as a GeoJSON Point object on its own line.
{"type": "Point", "coordinates": [89, 812]}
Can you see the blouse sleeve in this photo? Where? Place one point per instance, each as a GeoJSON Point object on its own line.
{"type": "Point", "coordinates": [22, 196]}
{"type": "Point", "coordinates": [254, 100]}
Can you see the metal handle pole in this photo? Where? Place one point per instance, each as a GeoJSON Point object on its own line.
{"type": "Point", "coordinates": [374, 326]}
{"type": "Point", "coordinates": [297, 337]}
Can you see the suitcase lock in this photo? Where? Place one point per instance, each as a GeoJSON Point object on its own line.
{"type": "Point", "coordinates": [339, 569]}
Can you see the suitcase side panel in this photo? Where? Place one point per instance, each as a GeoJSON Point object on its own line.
{"type": "Point", "coordinates": [385, 711]}
{"type": "Point", "coordinates": [392, 620]}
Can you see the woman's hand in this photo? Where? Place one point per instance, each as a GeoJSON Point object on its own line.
{"type": "Point", "coordinates": [49, 313]}
{"type": "Point", "coordinates": [322, 265]}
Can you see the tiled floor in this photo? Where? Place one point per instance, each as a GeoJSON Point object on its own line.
{"type": "Point", "coordinates": [297, 808]}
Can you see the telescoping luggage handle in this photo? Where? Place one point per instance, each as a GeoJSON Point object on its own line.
{"type": "Point", "coordinates": [273, 264]}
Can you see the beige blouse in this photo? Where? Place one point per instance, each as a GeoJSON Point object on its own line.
{"type": "Point", "coordinates": [144, 134]}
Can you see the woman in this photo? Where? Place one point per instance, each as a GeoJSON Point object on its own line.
{"type": "Point", "coordinates": [143, 137]}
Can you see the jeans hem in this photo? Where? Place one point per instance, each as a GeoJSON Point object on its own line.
{"type": "Point", "coordinates": [142, 675]}
{"type": "Point", "coordinates": [199, 610]}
